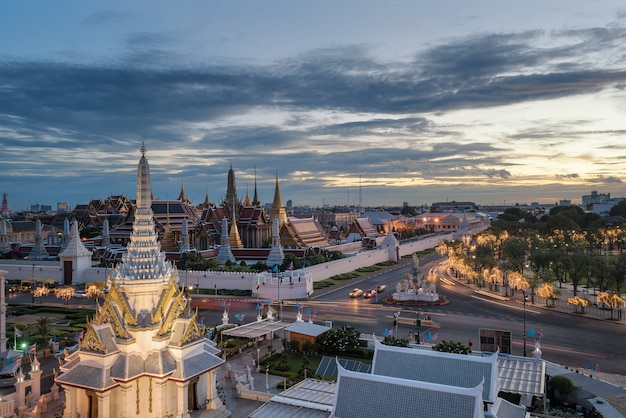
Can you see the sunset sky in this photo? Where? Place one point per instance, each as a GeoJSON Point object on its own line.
{"type": "Point", "coordinates": [386, 102]}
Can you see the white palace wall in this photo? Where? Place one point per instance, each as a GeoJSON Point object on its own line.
{"type": "Point", "coordinates": [212, 280]}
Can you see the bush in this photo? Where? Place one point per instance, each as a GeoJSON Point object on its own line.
{"type": "Point", "coordinates": [452, 347]}
{"type": "Point", "coordinates": [561, 383]}
{"type": "Point", "coordinates": [398, 342]}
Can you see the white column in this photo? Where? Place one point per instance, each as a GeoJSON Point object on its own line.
{"type": "Point", "coordinates": [211, 391]}
{"type": "Point", "coordinates": [127, 401]}
{"type": "Point", "coordinates": [159, 398]}
{"type": "Point", "coordinates": [104, 404]}
{"type": "Point", "coordinates": [70, 402]}
{"type": "Point", "coordinates": [183, 405]}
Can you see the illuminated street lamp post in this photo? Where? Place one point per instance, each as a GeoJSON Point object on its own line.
{"type": "Point", "coordinates": [524, 335]}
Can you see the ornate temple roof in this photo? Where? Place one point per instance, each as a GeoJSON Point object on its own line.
{"type": "Point", "coordinates": [144, 322]}
{"type": "Point", "coordinates": [75, 246]}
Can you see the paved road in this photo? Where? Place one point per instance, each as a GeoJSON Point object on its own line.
{"type": "Point", "coordinates": [570, 339]}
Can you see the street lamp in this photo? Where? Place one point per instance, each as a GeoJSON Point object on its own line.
{"type": "Point", "coordinates": [258, 360]}
{"type": "Point", "coordinates": [524, 335]}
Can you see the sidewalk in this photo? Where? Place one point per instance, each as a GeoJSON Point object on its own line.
{"type": "Point", "coordinates": [560, 304]}
{"type": "Point", "coordinates": [263, 383]}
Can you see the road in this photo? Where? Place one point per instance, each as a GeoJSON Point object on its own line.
{"type": "Point", "coordinates": [568, 339]}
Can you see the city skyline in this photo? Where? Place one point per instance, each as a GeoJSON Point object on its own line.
{"type": "Point", "coordinates": [372, 102]}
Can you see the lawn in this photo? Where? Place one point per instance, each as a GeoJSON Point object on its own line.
{"type": "Point", "coordinates": [294, 362]}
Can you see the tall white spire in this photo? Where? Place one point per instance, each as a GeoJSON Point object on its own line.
{"type": "Point", "coordinates": [143, 264]}
{"type": "Point", "coordinates": [144, 192]}
{"type": "Point", "coordinates": [276, 255]}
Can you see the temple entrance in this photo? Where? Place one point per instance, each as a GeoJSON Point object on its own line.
{"type": "Point", "coordinates": [92, 411]}
{"type": "Point", "coordinates": [192, 395]}
{"type": "Point", "coordinates": [67, 272]}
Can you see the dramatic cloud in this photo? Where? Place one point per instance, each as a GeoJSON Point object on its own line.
{"type": "Point", "coordinates": [495, 111]}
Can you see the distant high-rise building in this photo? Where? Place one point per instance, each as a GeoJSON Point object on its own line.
{"type": "Point", "coordinates": [5, 212]}
{"type": "Point", "coordinates": [289, 205]}
{"type": "Point", "coordinates": [61, 207]}
{"type": "Point", "coordinates": [594, 198]}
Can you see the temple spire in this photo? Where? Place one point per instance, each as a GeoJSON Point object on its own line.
{"type": "Point", "coordinates": [144, 192]}
{"type": "Point", "coordinates": [255, 199]}
{"type": "Point", "coordinates": [207, 201]}
{"type": "Point", "coordinates": [183, 196]}
{"type": "Point", "coordinates": [246, 201]}
{"type": "Point", "coordinates": [231, 188]}
{"type": "Point", "coordinates": [277, 210]}
{"type": "Point", "coordinates": [233, 238]}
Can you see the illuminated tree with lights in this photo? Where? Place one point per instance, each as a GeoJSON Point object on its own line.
{"type": "Point", "coordinates": [547, 291]}
{"type": "Point", "coordinates": [66, 293]}
{"type": "Point", "coordinates": [577, 301]}
{"type": "Point", "coordinates": [613, 300]}
{"type": "Point", "coordinates": [93, 291]}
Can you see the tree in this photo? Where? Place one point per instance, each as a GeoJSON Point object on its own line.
{"type": "Point", "coordinates": [195, 261]}
{"type": "Point", "coordinates": [547, 291]}
{"type": "Point", "coordinates": [514, 252]}
{"type": "Point", "coordinates": [613, 300]}
{"type": "Point", "coordinates": [41, 292]}
{"type": "Point", "coordinates": [578, 301]}
{"type": "Point", "coordinates": [397, 342]}
{"type": "Point", "coordinates": [561, 383]}
{"type": "Point", "coordinates": [578, 267]}
{"type": "Point", "coordinates": [518, 282]}
{"type": "Point", "coordinates": [43, 330]}
{"type": "Point", "coordinates": [619, 209]}
{"type": "Point", "coordinates": [617, 272]}
{"type": "Point", "coordinates": [93, 291]}
{"type": "Point", "coordinates": [340, 341]}
{"type": "Point", "coordinates": [66, 293]}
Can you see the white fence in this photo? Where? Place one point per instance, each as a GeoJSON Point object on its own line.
{"type": "Point", "coordinates": [213, 280]}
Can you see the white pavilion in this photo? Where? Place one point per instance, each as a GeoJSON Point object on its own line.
{"type": "Point", "coordinates": [143, 352]}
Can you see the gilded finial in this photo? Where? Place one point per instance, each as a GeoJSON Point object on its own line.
{"type": "Point", "coordinates": [143, 149]}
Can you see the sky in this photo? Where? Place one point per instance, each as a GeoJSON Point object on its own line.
{"type": "Point", "coordinates": [346, 101]}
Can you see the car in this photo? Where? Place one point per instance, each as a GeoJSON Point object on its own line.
{"type": "Point", "coordinates": [356, 293]}
{"type": "Point", "coordinates": [381, 288]}
{"type": "Point", "coordinates": [80, 294]}
{"type": "Point", "coordinates": [370, 293]}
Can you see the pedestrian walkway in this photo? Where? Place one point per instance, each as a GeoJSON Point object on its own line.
{"type": "Point", "coordinates": [264, 383]}
{"type": "Point", "coordinates": [560, 304]}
